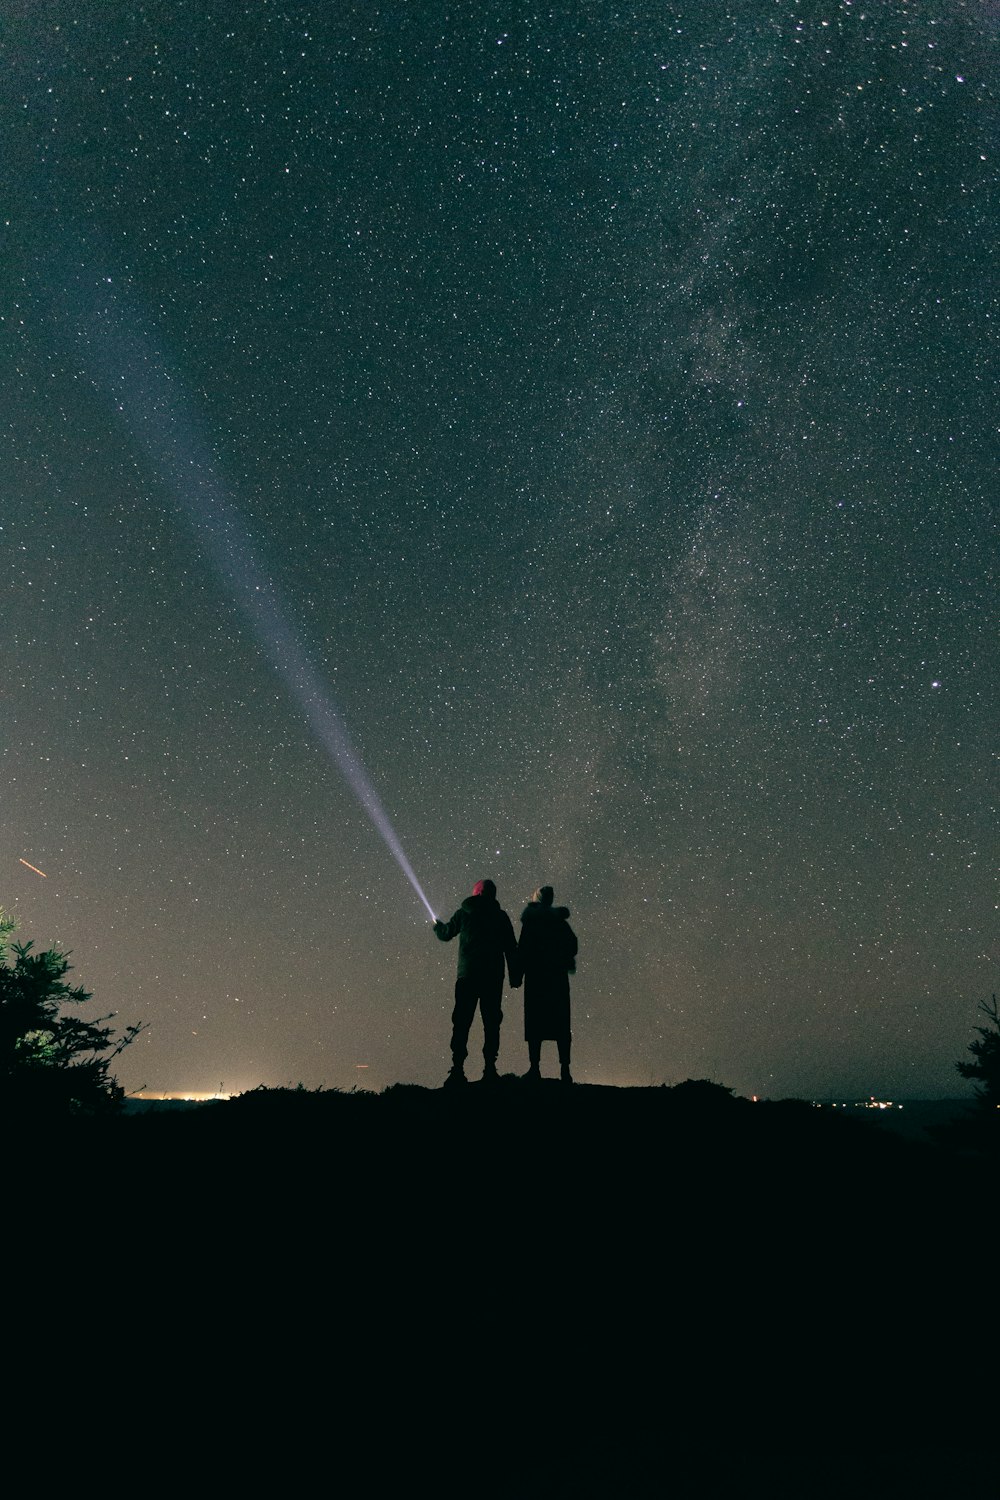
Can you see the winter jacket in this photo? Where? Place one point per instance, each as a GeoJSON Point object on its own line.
{"type": "Point", "coordinates": [547, 947]}
{"type": "Point", "coordinates": [485, 940]}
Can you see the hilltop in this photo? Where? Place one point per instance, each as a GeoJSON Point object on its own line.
{"type": "Point", "coordinates": [539, 1291]}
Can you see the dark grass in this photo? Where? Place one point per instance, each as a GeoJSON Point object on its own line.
{"type": "Point", "coordinates": [527, 1291]}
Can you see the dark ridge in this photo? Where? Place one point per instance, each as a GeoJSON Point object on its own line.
{"type": "Point", "coordinates": [538, 1291]}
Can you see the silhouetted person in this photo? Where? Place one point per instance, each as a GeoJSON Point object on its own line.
{"type": "Point", "coordinates": [485, 943]}
{"type": "Point", "coordinates": [547, 949]}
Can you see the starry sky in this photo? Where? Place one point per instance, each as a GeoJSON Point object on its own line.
{"type": "Point", "coordinates": [585, 414]}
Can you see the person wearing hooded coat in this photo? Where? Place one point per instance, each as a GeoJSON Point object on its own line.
{"type": "Point", "coordinates": [485, 943]}
{"type": "Point", "coordinates": [547, 950]}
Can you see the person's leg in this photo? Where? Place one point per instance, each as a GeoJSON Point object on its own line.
{"type": "Point", "coordinates": [466, 998]}
{"type": "Point", "coordinates": [532, 1029]}
{"type": "Point", "coordinates": [564, 1042]}
{"type": "Point", "coordinates": [490, 994]}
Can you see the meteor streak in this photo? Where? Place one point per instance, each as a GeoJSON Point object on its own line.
{"type": "Point", "coordinates": [35, 868]}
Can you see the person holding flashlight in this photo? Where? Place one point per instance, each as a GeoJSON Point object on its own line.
{"type": "Point", "coordinates": [486, 944]}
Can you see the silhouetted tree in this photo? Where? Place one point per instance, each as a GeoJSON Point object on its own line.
{"type": "Point", "coordinates": [986, 1051]}
{"type": "Point", "coordinates": [49, 1062]}
{"type": "Point", "coordinates": [8, 926]}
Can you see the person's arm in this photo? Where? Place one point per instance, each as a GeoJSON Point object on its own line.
{"type": "Point", "coordinates": [447, 930]}
{"type": "Point", "coordinates": [514, 971]}
{"type": "Point", "coordinates": [572, 948]}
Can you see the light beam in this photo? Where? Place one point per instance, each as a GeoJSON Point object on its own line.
{"type": "Point", "coordinates": [123, 358]}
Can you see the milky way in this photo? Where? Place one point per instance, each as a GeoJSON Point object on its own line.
{"type": "Point", "coordinates": [608, 393]}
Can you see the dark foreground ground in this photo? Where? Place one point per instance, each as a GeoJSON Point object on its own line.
{"type": "Point", "coordinates": [508, 1292]}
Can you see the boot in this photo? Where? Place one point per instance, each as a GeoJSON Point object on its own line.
{"type": "Point", "coordinates": [490, 1074]}
{"type": "Point", "coordinates": [456, 1077]}
{"type": "Point", "coordinates": [565, 1076]}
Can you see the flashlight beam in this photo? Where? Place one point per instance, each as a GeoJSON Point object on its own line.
{"type": "Point", "coordinates": [123, 358]}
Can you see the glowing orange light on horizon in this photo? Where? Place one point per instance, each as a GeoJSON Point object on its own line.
{"type": "Point", "coordinates": [194, 1096]}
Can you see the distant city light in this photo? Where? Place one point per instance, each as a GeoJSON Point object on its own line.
{"type": "Point", "coordinates": [193, 1097]}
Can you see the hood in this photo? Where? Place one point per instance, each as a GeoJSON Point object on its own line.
{"type": "Point", "coordinates": [476, 903]}
{"type": "Point", "coordinates": [536, 912]}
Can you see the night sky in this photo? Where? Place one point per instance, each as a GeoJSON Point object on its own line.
{"type": "Point", "coordinates": [589, 406]}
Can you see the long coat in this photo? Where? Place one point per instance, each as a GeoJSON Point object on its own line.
{"type": "Point", "coordinates": [547, 950]}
